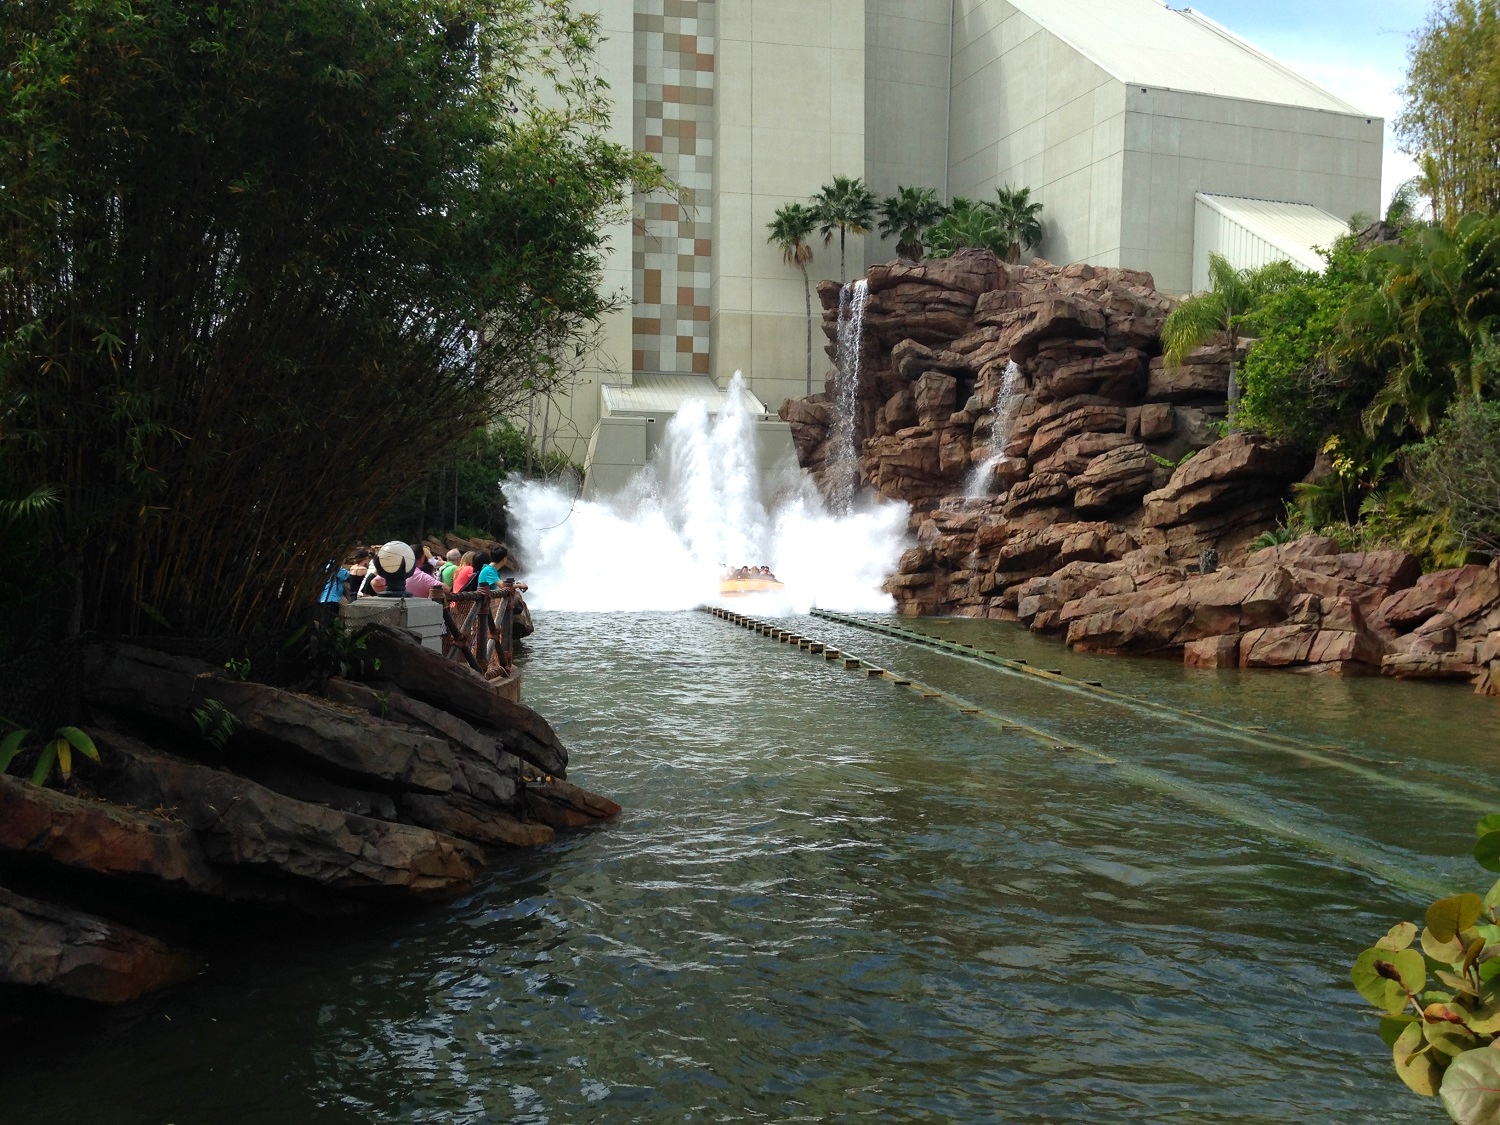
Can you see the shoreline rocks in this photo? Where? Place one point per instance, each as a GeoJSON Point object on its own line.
{"type": "Point", "coordinates": [1105, 481]}
{"type": "Point", "coordinates": [375, 795]}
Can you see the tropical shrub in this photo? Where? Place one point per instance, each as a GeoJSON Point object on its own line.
{"type": "Point", "coordinates": [1291, 386]}
{"type": "Point", "coordinates": [1457, 472]}
{"type": "Point", "coordinates": [1438, 989]}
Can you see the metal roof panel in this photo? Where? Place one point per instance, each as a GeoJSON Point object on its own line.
{"type": "Point", "coordinates": [1146, 43]}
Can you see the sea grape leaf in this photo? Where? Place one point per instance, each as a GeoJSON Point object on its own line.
{"type": "Point", "coordinates": [1447, 916]}
{"type": "Point", "coordinates": [1415, 1065]}
{"type": "Point", "coordinates": [1487, 824]}
{"type": "Point", "coordinates": [1492, 900]}
{"type": "Point", "coordinates": [1487, 851]}
{"type": "Point", "coordinates": [1378, 990]}
{"type": "Point", "coordinates": [1449, 952]}
{"type": "Point", "coordinates": [1471, 1087]}
{"type": "Point", "coordinates": [1411, 967]}
{"type": "Point", "coordinates": [1456, 982]}
{"type": "Point", "coordinates": [1391, 1027]}
{"type": "Point", "coordinates": [1398, 938]}
{"type": "Point", "coordinates": [1485, 1019]}
{"type": "Point", "coordinates": [1451, 1039]}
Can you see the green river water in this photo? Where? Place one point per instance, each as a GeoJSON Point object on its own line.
{"type": "Point", "coordinates": [831, 899]}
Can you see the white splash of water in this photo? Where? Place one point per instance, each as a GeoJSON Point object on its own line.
{"type": "Point", "coordinates": [843, 453]}
{"type": "Point", "coordinates": [664, 543]}
{"type": "Point", "coordinates": [982, 478]}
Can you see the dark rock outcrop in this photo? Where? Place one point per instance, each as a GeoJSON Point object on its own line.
{"type": "Point", "coordinates": [47, 946]}
{"type": "Point", "coordinates": [212, 791]}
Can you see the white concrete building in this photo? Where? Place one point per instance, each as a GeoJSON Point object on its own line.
{"type": "Point", "coordinates": [1136, 125]}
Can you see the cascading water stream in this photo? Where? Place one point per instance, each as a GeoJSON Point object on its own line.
{"type": "Point", "coordinates": [843, 451]}
{"type": "Point", "coordinates": [982, 478]}
{"type": "Point", "coordinates": [697, 508]}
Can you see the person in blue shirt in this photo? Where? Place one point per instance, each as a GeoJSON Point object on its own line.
{"type": "Point", "coordinates": [333, 592]}
{"type": "Point", "coordinates": [489, 568]}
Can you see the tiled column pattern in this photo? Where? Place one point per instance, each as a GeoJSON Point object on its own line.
{"type": "Point", "coordinates": [673, 243]}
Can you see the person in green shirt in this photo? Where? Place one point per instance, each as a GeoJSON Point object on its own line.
{"type": "Point", "coordinates": [449, 569]}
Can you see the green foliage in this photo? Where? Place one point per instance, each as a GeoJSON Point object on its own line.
{"type": "Point", "coordinates": [57, 752]}
{"type": "Point", "coordinates": [261, 259]}
{"type": "Point", "coordinates": [967, 226]}
{"type": "Point", "coordinates": [1018, 218]}
{"type": "Point", "coordinates": [239, 668]}
{"type": "Point", "coordinates": [1451, 116]}
{"type": "Point", "coordinates": [1222, 310]}
{"type": "Point", "coordinates": [906, 216]}
{"type": "Point", "coordinates": [1292, 388]}
{"type": "Point", "coordinates": [1457, 472]}
{"type": "Point", "coordinates": [789, 231]}
{"type": "Point", "coordinates": [846, 206]}
{"type": "Point", "coordinates": [216, 726]}
{"type": "Point", "coordinates": [1005, 225]}
{"type": "Point", "coordinates": [1438, 989]}
{"type": "Point", "coordinates": [1428, 317]}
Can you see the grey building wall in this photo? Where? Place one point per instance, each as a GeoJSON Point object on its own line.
{"type": "Point", "coordinates": [1177, 144]}
{"type": "Point", "coordinates": [907, 64]}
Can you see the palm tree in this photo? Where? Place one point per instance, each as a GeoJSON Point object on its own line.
{"type": "Point", "coordinates": [964, 226]}
{"type": "Point", "coordinates": [1019, 220]}
{"type": "Point", "coordinates": [1221, 311]}
{"type": "Point", "coordinates": [846, 206]}
{"type": "Point", "coordinates": [790, 230]}
{"type": "Point", "coordinates": [906, 216]}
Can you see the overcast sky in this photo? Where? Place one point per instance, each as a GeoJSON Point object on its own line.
{"type": "Point", "coordinates": [1355, 49]}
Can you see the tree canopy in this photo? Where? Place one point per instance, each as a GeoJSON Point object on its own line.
{"type": "Point", "coordinates": [263, 259]}
{"type": "Point", "coordinates": [1451, 116]}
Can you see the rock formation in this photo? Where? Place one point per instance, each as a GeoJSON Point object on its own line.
{"type": "Point", "coordinates": [1061, 474]}
{"type": "Point", "coordinates": [377, 793]}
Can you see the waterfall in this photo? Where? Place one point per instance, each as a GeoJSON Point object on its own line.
{"type": "Point", "coordinates": [663, 543]}
{"type": "Point", "coordinates": [980, 480]}
{"type": "Point", "coordinates": [843, 452]}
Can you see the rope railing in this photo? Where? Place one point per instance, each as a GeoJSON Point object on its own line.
{"type": "Point", "coordinates": [478, 628]}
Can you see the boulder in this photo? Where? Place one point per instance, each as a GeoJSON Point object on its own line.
{"type": "Point", "coordinates": [1060, 317]}
{"type": "Point", "coordinates": [935, 395]}
{"type": "Point", "coordinates": [563, 805]}
{"type": "Point", "coordinates": [1187, 382]}
{"type": "Point", "coordinates": [459, 690]}
{"type": "Point", "coordinates": [1113, 478]}
{"type": "Point", "coordinates": [140, 681]}
{"type": "Point", "coordinates": [970, 271]}
{"type": "Point", "coordinates": [1461, 592]}
{"type": "Point", "coordinates": [1085, 418]}
{"type": "Point", "coordinates": [1039, 491]}
{"type": "Point", "coordinates": [467, 818]}
{"type": "Point", "coordinates": [57, 949]}
{"type": "Point", "coordinates": [1155, 420]}
{"type": "Point", "coordinates": [239, 823]}
{"type": "Point", "coordinates": [1212, 652]}
{"type": "Point", "coordinates": [1078, 452]}
{"type": "Point", "coordinates": [1068, 369]}
{"type": "Point", "coordinates": [1428, 666]}
{"type": "Point", "coordinates": [1241, 467]}
{"type": "Point", "coordinates": [84, 834]}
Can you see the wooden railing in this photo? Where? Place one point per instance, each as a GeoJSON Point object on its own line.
{"type": "Point", "coordinates": [478, 631]}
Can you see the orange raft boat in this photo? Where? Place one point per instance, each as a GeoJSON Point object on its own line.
{"type": "Point", "coordinates": [734, 585]}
